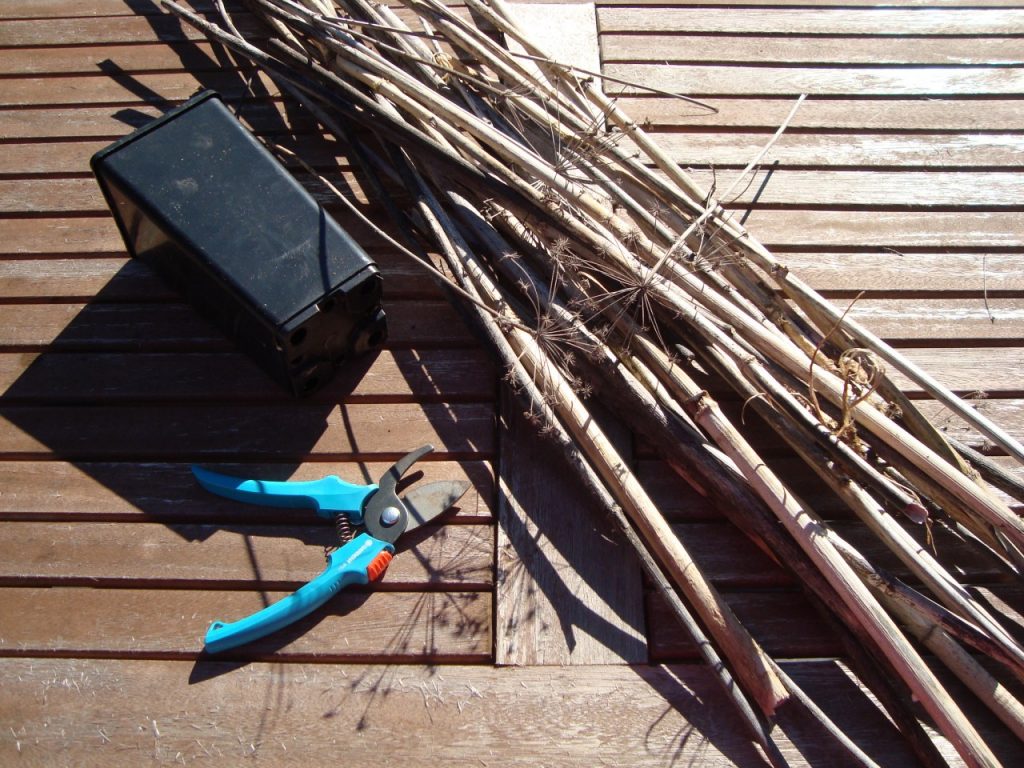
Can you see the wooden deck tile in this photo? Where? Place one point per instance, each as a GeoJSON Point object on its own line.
{"type": "Point", "coordinates": [896, 189]}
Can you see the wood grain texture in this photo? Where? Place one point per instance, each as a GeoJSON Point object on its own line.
{"type": "Point", "coordinates": [818, 188]}
{"type": "Point", "coordinates": [61, 709]}
{"type": "Point", "coordinates": [403, 375]}
{"type": "Point", "coordinates": [820, 80]}
{"type": "Point", "coordinates": [824, 21]}
{"type": "Point", "coordinates": [653, 46]}
{"type": "Point", "coordinates": [568, 586]}
{"type": "Point", "coordinates": [166, 492]}
{"type": "Point", "coordinates": [272, 557]}
{"type": "Point", "coordinates": [229, 431]}
{"type": "Point", "coordinates": [155, 326]}
{"type": "Point", "coordinates": [933, 114]}
{"type": "Point", "coordinates": [171, 623]}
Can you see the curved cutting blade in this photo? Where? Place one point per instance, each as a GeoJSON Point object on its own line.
{"type": "Point", "coordinates": [428, 501]}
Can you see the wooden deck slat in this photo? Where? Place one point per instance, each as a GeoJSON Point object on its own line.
{"type": "Point", "coordinates": [390, 377]}
{"type": "Point", "coordinates": [649, 46]}
{"type": "Point", "coordinates": [276, 557]}
{"type": "Point", "coordinates": [823, 21]}
{"type": "Point", "coordinates": [936, 114]}
{"type": "Point", "coordinates": [887, 271]}
{"type": "Point", "coordinates": [118, 278]}
{"type": "Point", "coordinates": [33, 378]}
{"type": "Point", "coordinates": [100, 88]}
{"type": "Point", "coordinates": [841, 274]}
{"type": "Point", "coordinates": [653, 46]}
{"type": "Point", "coordinates": [228, 432]}
{"type": "Point", "coordinates": [170, 622]}
{"type": "Point", "coordinates": [863, 150]}
{"type": "Point", "coordinates": [989, 190]}
{"type": "Point", "coordinates": [779, 229]}
{"type": "Point", "coordinates": [820, 80]}
{"type": "Point", "coordinates": [134, 58]}
{"type": "Point", "coordinates": [167, 492]}
{"type": "Point", "coordinates": [551, 716]}
{"type": "Point", "coordinates": [693, 80]}
{"type": "Point", "coordinates": [178, 327]}
{"type": "Point", "coordinates": [162, 327]}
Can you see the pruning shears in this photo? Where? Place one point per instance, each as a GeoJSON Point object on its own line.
{"type": "Point", "coordinates": [375, 510]}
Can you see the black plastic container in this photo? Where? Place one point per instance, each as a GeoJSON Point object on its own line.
{"type": "Point", "coordinates": [200, 199]}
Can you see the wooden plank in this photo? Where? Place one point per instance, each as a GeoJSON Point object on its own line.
{"type": "Point", "coordinates": [113, 122]}
{"type": "Point", "coordinates": [67, 158]}
{"type": "Point", "coordinates": [841, 274]}
{"type": "Point", "coordinates": [399, 626]}
{"type": "Point", "coordinates": [557, 601]}
{"type": "Point", "coordinates": [784, 624]}
{"type": "Point", "coordinates": [768, 49]}
{"type": "Point", "coordinates": [956, 322]}
{"type": "Point", "coordinates": [895, 114]}
{"type": "Point", "coordinates": [818, 80]}
{"type": "Point", "coordinates": [837, 274]}
{"type": "Point", "coordinates": [91, 713]}
{"type": "Point", "coordinates": [824, 21]}
{"type": "Point", "coordinates": [820, 188]}
{"type": "Point", "coordinates": [863, 189]}
{"type": "Point", "coordinates": [99, 234]}
{"type": "Point", "coordinates": [884, 229]}
{"type": "Point", "coordinates": [133, 58]}
{"type": "Point", "coordinates": [735, 563]}
{"type": "Point", "coordinates": [402, 375]}
{"type": "Point", "coordinates": [42, 9]}
{"type": "Point", "coordinates": [860, 150]}
{"type": "Point", "coordinates": [975, 274]}
{"type": "Point", "coordinates": [117, 278]}
{"type": "Point", "coordinates": [1007, 413]}
{"type": "Point", "coordinates": [780, 229]}
{"type": "Point", "coordinates": [161, 89]}
{"type": "Point", "coordinates": [167, 492]}
{"type": "Point", "coordinates": [274, 557]}
{"type": "Point", "coordinates": [179, 327]}
{"type": "Point", "coordinates": [231, 432]}
{"type": "Point", "coordinates": [83, 30]}
{"type": "Point", "coordinates": [764, 114]}
{"type": "Point", "coordinates": [62, 197]}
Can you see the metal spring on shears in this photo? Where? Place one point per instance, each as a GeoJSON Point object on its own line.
{"type": "Point", "coordinates": [345, 530]}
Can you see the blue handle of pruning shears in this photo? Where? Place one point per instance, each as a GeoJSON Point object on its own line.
{"type": "Point", "coordinates": [329, 495]}
{"type": "Point", "coordinates": [360, 561]}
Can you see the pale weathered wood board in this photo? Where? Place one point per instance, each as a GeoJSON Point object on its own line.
{"type": "Point", "coordinates": [81, 712]}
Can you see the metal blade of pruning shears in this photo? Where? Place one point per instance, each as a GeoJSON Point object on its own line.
{"type": "Point", "coordinates": [428, 501]}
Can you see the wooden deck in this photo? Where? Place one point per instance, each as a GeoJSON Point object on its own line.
{"type": "Point", "coordinates": [519, 632]}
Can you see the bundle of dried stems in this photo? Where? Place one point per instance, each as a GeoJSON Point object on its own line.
{"type": "Point", "coordinates": [597, 272]}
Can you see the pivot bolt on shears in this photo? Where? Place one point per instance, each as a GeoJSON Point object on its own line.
{"type": "Point", "coordinates": [375, 509]}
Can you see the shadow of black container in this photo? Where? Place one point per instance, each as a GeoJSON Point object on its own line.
{"type": "Point", "coordinates": [198, 198]}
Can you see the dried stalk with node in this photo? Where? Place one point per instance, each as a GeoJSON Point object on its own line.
{"type": "Point", "coordinates": [597, 273]}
